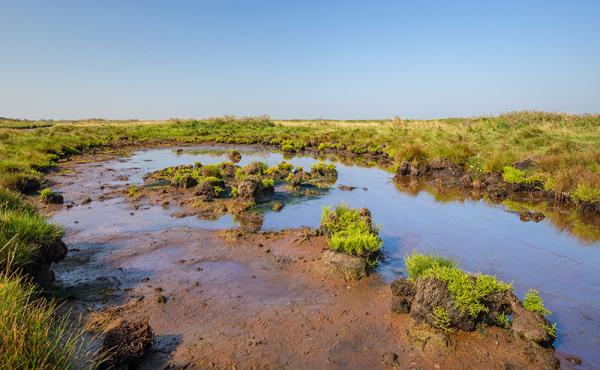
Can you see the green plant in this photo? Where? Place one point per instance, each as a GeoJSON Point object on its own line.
{"type": "Point", "coordinates": [587, 193]}
{"type": "Point", "coordinates": [45, 194]}
{"type": "Point", "coordinates": [32, 336]}
{"type": "Point", "coordinates": [350, 232]}
{"type": "Point", "coordinates": [467, 290]}
{"type": "Point", "coordinates": [550, 329]}
{"type": "Point", "coordinates": [502, 320]}
{"type": "Point", "coordinates": [533, 302]}
{"type": "Point", "coordinates": [515, 176]}
{"type": "Point", "coordinates": [133, 190]}
{"type": "Point", "coordinates": [267, 183]}
{"type": "Point", "coordinates": [417, 264]}
{"type": "Point", "coordinates": [441, 319]}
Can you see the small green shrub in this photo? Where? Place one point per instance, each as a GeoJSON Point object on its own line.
{"type": "Point", "coordinates": [550, 329]}
{"type": "Point", "coordinates": [350, 233]}
{"type": "Point", "coordinates": [234, 192]}
{"type": "Point", "coordinates": [268, 183]}
{"type": "Point", "coordinates": [441, 319]}
{"type": "Point", "coordinates": [533, 302]}
{"type": "Point", "coordinates": [133, 190]}
{"type": "Point", "coordinates": [515, 176]}
{"type": "Point", "coordinates": [502, 320]}
{"type": "Point", "coordinates": [417, 264]}
{"type": "Point", "coordinates": [586, 193]}
{"type": "Point", "coordinates": [45, 194]}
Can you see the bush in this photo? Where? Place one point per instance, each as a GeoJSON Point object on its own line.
{"type": "Point", "coordinates": [533, 302]}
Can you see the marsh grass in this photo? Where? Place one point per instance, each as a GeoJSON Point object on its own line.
{"type": "Point", "coordinates": [32, 335]}
{"type": "Point", "coordinates": [564, 145]}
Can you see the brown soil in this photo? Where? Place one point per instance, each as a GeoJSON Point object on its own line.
{"type": "Point", "coordinates": [229, 299]}
{"type": "Point", "coordinates": [263, 300]}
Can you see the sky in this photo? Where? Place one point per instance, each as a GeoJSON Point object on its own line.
{"type": "Point", "coordinates": [297, 59]}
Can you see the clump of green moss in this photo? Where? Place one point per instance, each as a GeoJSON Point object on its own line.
{"type": "Point", "coordinates": [441, 319]}
{"type": "Point", "coordinates": [350, 231]}
{"type": "Point", "coordinates": [515, 176]}
{"type": "Point", "coordinates": [533, 302]}
{"type": "Point", "coordinates": [468, 291]}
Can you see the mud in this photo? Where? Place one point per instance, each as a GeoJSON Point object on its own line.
{"type": "Point", "coordinates": [237, 299]}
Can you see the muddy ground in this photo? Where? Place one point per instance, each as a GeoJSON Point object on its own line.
{"type": "Point", "coordinates": [226, 299]}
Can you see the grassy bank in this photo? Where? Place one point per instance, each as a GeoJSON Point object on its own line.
{"type": "Point", "coordinates": [32, 335]}
{"type": "Point", "coordinates": [566, 148]}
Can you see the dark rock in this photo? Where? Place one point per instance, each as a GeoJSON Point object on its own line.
{"type": "Point", "coordinates": [530, 325]}
{"type": "Point", "coordinates": [205, 191]}
{"type": "Point", "coordinates": [466, 181]}
{"type": "Point", "coordinates": [432, 293]}
{"type": "Point", "coordinates": [248, 188]}
{"type": "Point", "coordinates": [344, 266]}
{"type": "Point", "coordinates": [346, 188]}
{"type": "Point", "coordinates": [531, 216]}
{"type": "Point", "coordinates": [254, 168]}
{"type": "Point", "coordinates": [277, 206]}
{"type": "Point", "coordinates": [228, 170]}
{"type": "Point", "coordinates": [390, 359]}
{"type": "Point", "coordinates": [573, 360]}
{"type": "Point", "coordinates": [54, 198]}
{"type": "Point", "coordinates": [403, 288]}
{"type": "Point", "coordinates": [524, 164]}
{"type": "Point", "coordinates": [235, 156]}
{"type": "Point", "coordinates": [401, 304]}
{"type": "Point", "coordinates": [126, 345]}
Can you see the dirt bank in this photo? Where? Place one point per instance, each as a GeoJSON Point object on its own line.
{"type": "Point", "coordinates": [221, 299]}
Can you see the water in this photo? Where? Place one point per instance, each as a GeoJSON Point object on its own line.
{"type": "Point", "coordinates": [481, 237]}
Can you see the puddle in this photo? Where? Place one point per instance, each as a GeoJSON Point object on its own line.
{"type": "Point", "coordinates": [547, 255]}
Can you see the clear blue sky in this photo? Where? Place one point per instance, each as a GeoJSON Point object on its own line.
{"type": "Point", "coordinates": [297, 59]}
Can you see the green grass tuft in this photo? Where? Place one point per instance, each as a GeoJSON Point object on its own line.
{"type": "Point", "coordinates": [350, 233]}
{"type": "Point", "coordinates": [533, 302]}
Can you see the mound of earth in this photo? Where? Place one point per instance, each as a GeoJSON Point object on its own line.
{"type": "Point", "coordinates": [126, 345]}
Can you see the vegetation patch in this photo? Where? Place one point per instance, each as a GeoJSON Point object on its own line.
{"type": "Point", "coordinates": [351, 231]}
{"type": "Point", "coordinates": [32, 336]}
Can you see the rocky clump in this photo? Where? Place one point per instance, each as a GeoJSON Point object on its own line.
{"type": "Point", "coordinates": [531, 216]}
{"type": "Point", "coordinates": [51, 197]}
{"type": "Point", "coordinates": [429, 299]}
{"type": "Point", "coordinates": [354, 243]}
{"type": "Point", "coordinates": [344, 266]}
{"type": "Point", "coordinates": [235, 156]}
{"type": "Point", "coordinates": [126, 345]}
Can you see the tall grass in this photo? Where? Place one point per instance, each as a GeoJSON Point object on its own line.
{"type": "Point", "coordinates": [32, 336]}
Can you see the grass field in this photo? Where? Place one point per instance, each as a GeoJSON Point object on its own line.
{"type": "Point", "coordinates": [565, 147]}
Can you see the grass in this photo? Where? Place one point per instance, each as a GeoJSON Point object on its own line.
{"type": "Point", "coordinates": [468, 290]}
{"type": "Point", "coordinates": [515, 176]}
{"type": "Point", "coordinates": [350, 233]}
{"type": "Point", "coordinates": [566, 147]}
{"type": "Point", "coordinates": [32, 336]}
{"type": "Point", "coordinates": [24, 234]}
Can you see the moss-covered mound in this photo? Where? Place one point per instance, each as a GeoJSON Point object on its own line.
{"type": "Point", "coordinates": [439, 293]}
{"type": "Point", "coordinates": [351, 231]}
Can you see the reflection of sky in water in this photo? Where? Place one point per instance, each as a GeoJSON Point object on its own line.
{"type": "Point", "coordinates": [479, 236]}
